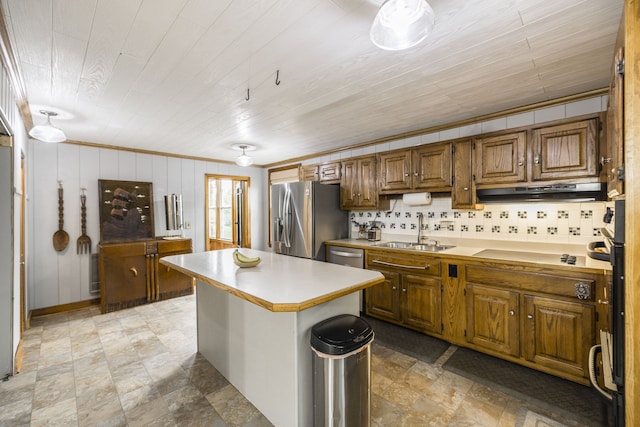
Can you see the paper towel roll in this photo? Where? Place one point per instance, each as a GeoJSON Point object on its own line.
{"type": "Point", "coordinates": [416, 199]}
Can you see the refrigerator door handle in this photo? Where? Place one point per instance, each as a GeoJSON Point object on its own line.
{"type": "Point", "coordinates": [286, 218]}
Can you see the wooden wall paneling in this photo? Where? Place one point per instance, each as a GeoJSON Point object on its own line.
{"type": "Point", "coordinates": [44, 204]}
{"type": "Point", "coordinates": [188, 191]}
{"type": "Point", "coordinates": [89, 175]}
{"type": "Point", "coordinates": [144, 167]}
{"type": "Point", "coordinates": [69, 280]}
{"type": "Point", "coordinates": [109, 166]}
{"type": "Point", "coordinates": [198, 213]}
{"type": "Point", "coordinates": [126, 166]}
{"type": "Point", "coordinates": [160, 189]}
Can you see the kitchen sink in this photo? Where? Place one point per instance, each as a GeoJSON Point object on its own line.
{"type": "Point", "coordinates": [414, 246]}
{"type": "Point", "coordinates": [395, 245]}
{"type": "Point", "coordinates": [431, 248]}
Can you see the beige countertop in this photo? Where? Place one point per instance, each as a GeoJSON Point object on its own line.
{"type": "Point", "coordinates": [470, 247]}
{"type": "Point", "coordinates": [279, 282]}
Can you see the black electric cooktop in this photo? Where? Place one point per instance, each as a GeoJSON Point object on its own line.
{"type": "Point", "coordinates": [541, 258]}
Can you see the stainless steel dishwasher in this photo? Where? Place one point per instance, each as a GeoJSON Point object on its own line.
{"type": "Point", "coordinates": [347, 256]}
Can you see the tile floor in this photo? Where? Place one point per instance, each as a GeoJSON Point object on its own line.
{"type": "Point", "coordinates": [140, 367]}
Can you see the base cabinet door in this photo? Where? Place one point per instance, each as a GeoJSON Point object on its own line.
{"type": "Point", "coordinates": [421, 301]}
{"type": "Point", "coordinates": [493, 319]}
{"type": "Point", "coordinates": [382, 300]}
{"type": "Point", "coordinates": [172, 283]}
{"type": "Point", "coordinates": [123, 276]}
{"type": "Point", "coordinates": [558, 334]}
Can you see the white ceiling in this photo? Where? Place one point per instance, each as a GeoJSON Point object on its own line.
{"type": "Point", "coordinates": [172, 75]}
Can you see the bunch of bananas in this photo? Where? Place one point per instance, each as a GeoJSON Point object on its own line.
{"type": "Point", "coordinates": [244, 261]}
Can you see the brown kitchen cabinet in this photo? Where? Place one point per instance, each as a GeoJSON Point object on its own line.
{"type": "Point", "coordinates": [131, 275]}
{"type": "Point", "coordinates": [501, 158]}
{"type": "Point", "coordinates": [565, 151]}
{"type": "Point", "coordinates": [613, 161]}
{"type": "Point", "coordinates": [411, 294]}
{"type": "Point", "coordinates": [493, 319]}
{"type": "Point", "coordinates": [309, 173]}
{"type": "Point", "coordinates": [558, 333]}
{"type": "Point", "coordinates": [358, 185]}
{"type": "Point", "coordinates": [532, 318]}
{"type": "Point", "coordinates": [427, 168]}
{"type": "Point", "coordinates": [463, 192]}
{"type": "Point", "coordinates": [329, 172]}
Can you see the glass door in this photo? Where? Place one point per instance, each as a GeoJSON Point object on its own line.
{"type": "Point", "coordinates": [227, 206]}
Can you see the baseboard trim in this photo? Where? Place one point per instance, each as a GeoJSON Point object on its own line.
{"type": "Point", "coordinates": [63, 308]}
{"type": "Point", "coordinates": [17, 365]}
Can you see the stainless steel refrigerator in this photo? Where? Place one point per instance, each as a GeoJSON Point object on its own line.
{"type": "Point", "coordinates": [305, 214]}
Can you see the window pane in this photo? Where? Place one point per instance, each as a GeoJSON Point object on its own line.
{"type": "Point", "coordinates": [226, 224]}
{"type": "Point", "coordinates": [226, 193]}
{"type": "Point", "coordinates": [212, 224]}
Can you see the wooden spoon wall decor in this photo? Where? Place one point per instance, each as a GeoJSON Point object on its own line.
{"type": "Point", "coordinates": [60, 237]}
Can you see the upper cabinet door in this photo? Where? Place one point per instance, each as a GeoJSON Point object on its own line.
{"type": "Point", "coordinates": [565, 151]}
{"type": "Point", "coordinates": [329, 172]}
{"type": "Point", "coordinates": [368, 188]}
{"type": "Point", "coordinates": [463, 193]}
{"type": "Point", "coordinates": [395, 171]}
{"type": "Point", "coordinates": [432, 167]}
{"type": "Point", "coordinates": [501, 159]}
{"type": "Point", "coordinates": [613, 160]}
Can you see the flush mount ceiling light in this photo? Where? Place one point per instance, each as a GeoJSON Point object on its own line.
{"type": "Point", "coordinates": [47, 132]}
{"type": "Point", "coordinates": [401, 24]}
{"type": "Point", "coordinates": [243, 159]}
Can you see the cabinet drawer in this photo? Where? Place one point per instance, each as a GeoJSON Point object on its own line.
{"type": "Point", "coordinates": [174, 246]}
{"type": "Point", "coordinates": [404, 263]}
{"type": "Point", "coordinates": [536, 282]}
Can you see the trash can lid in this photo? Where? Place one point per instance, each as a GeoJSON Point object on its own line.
{"type": "Point", "coordinates": [341, 334]}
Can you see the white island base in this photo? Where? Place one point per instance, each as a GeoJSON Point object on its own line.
{"type": "Point", "coordinates": [266, 355]}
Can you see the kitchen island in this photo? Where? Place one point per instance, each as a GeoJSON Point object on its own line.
{"type": "Point", "coordinates": [254, 323]}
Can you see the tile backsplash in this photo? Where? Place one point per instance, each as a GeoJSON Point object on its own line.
{"type": "Point", "coordinates": [574, 223]}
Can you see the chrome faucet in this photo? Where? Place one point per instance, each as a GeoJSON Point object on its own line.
{"type": "Point", "coordinates": [420, 219]}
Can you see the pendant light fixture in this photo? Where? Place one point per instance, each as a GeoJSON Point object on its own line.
{"type": "Point", "coordinates": [244, 159]}
{"type": "Point", "coordinates": [401, 24]}
{"type": "Point", "coordinates": [47, 132]}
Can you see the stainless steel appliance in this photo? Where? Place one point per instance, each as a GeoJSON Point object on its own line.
{"type": "Point", "coordinates": [612, 342]}
{"type": "Point", "coordinates": [305, 215]}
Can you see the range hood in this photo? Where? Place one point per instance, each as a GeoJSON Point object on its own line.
{"type": "Point", "coordinates": [587, 192]}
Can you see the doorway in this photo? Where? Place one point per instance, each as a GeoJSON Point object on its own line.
{"type": "Point", "coordinates": [227, 212]}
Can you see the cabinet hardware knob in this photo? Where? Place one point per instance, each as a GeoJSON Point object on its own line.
{"type": "Point", "coordinates": [536, 161]}
{"type": "Point", "coordinates": [466, 188]}
{"type": "Point", "coordinates": [529, 316]}
{"type": "Point", "coordinates": [512, 313]}
{"type": "Point", "coordinates": [415, 174]}
{"type": "Point", "coordinates": [520, 163]}
{"type": "Point", "coordinates": [604, 160]}
{"type": "Point", "coordinates": [393, 288]}
{"type": "Point", "coordinates": [604, 302]}
{"type": "Point", "coordinates": [583, 291]}
{"type": "Point", "coordinates": [134, 271]}
{"type": "Point", "coordinates": [404, 290]}
{"type": "Point", "coordinates": [406, 174]}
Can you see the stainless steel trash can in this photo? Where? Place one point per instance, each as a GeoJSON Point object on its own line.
{"type": "Point", "coordinates": [341, 371]}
